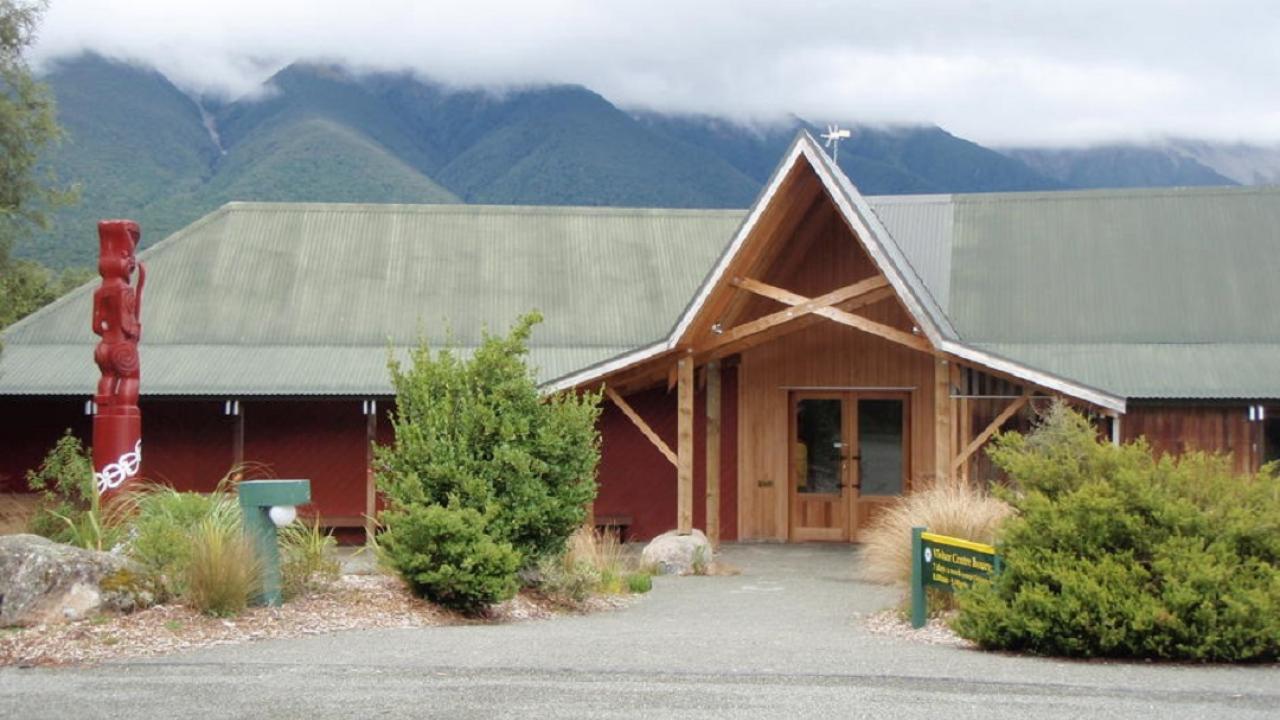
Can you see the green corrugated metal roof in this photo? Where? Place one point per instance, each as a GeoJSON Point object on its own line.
{"type": "Point", "coordinates": [1167, 293]}
{"type": "Point", "coordinates": [1243, 371]}
{"type": "Point", "coordinates": [1161, 293]}
{"type": "Point", "coordinates": [299, 298]}
{"type": "Point", "coordinates": [1146, 266]}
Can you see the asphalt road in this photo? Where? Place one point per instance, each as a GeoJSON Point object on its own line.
{"type": "Point", "coordinates": [783, 639]}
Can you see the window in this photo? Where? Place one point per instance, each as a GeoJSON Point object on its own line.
{"type": "Point", "coordinates": [1271, 435]}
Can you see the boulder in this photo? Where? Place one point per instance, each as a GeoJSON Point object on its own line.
{"type": "Point", "coordinates": [42, 581]}
{"type": "Point", "coordinates": [674, 554]}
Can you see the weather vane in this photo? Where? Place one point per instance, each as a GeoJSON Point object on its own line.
{"type": "Point", "coordinates": [833, 136]}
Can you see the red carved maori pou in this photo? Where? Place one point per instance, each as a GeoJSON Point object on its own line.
{"type": "Point", "coordinates": [117, 318]}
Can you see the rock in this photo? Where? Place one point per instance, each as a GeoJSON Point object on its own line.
{"type": "Point", "coordinates": [42, 581]}
{"type": "Point", "coordinates": [674, 554]}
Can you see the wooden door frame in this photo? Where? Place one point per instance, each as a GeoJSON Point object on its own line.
{"type": "Point", "coordinates": [851, 477]}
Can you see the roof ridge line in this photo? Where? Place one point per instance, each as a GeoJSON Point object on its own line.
{"type": "Point", "coordinates": [476, 208]}
{"type": "Point", "coordinates": [1118, 193]}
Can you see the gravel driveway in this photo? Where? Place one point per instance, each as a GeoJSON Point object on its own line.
{"type": "Point", "coordinates": [785, 638]}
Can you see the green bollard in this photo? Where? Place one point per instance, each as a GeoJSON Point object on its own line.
{"type": "Point", "coordinates": [919, 612]}
{"type": "Point", "coordinates": [257, 498]}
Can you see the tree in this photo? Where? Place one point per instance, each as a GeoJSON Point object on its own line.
{"type": "Point", "coordinates": [27, 286]}
{"type": "Point", "coordinates": [475, 433]}
{"type": "Point", "coordinates": [28, 124]}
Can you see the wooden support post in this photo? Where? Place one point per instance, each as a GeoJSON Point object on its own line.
{"type": "Point", "coordinates": [713, 453]}
{"type": "Point", "coordinates": [370, 485]}
{"type": "Point", "coordinates": [956, 442]}
{"type": "Point", "coordinates": [941, 419]}
{"type": "Point", "coordinates": [960, 466]}
{"type": "Point", "coordinates": [684, 446]}
{"type": "Point", "coordinates": [237, 440]}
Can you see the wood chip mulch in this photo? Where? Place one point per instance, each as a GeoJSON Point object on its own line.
{"type": "Point", "coordinates": [354, 602]}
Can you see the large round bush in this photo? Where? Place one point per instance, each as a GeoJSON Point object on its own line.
{"type": "Point", "coordinates": [1113, 553]}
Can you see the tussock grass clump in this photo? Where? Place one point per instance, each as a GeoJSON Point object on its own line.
{"type": "Point", "coordinates": [592, 563]}
{"type": "Point", "coordinates": [159, 522]}
{"type": "Point", "coordinates": [307, 557]}
{"type": "Point", "coordinates": [223, 572]}
{"type": "Point", "coordinates": [640, 582]}
{"type": "Point", "coordinates": [948, 508]}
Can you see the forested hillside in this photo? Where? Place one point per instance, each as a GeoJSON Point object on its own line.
{"type": "Point", "coordinates": [141, 148]}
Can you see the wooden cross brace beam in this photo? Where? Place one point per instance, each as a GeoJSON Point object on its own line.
{"type": "Point", "coordinates": [787, 297]}
{"type": "Point", "coordinates": [835, 297]}
{"type": "Point", "coordinates": [641, 425]}
{"type": "Point", "coordinates": [795, 325]}
{"type": "Point", "coordinates": [990, 430]}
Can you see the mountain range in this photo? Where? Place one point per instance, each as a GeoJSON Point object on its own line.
{"type": "Point", "coordinates": [140, 147]}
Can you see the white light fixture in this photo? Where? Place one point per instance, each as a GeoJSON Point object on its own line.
{"type": "Point", "coordinates": [282, 515]}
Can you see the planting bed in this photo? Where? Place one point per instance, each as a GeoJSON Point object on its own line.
{"type": "Point", "coordinates": [354, 602]}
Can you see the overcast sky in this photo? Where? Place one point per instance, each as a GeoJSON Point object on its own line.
{"type": "Point", "coordinates": [1008, 72]}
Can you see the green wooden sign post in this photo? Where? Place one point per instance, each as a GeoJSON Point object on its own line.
{"type": "Point", "coordinates": [946, 563]}
{"type": "Point", "coordinates": [257, 498]}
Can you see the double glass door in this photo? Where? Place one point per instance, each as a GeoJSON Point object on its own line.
{"type": "Point", "coordinates": [849, 457]}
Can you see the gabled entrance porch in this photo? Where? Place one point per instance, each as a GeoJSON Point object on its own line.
{"type": "Point", "coordinates": [836, 346]}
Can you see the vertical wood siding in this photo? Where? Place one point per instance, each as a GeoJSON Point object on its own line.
{"type": "Point", "coordinates": [322, 441]}
{"type": "Point", "coordinates": [1212, 428]}
{"type": "Point", "coordinates": [186, 443]}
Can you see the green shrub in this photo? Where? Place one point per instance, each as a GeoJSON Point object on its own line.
{"type": "Point", "coordinates": [223, 572]}
{"type": "Point", "coordinates": [1112, 553]}
{"type": "Point", "coordinates": [307, 557]}
{"type": "Point", "coordinates": [447, 557]}
{"type": "Point", "coordinates": [477, 433]}
{"type": "Point", "coordinates": [69, 511]}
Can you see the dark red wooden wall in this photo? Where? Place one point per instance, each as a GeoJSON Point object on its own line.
{"type": "Point", "coordinates": [29, 427]}
{"type": "Point", "coordinates": [638, 482]}
{"type": "Point", "coordinates": [323, 441]}
{"type": "Point", "coordinates": [186, 443]}
{"type": "Point", "coordinates": [189, 444]}
{"type": "Point", "coordinates": [1210, 427]}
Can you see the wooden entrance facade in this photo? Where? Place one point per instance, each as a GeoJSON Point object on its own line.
{"type": "Point", "coordinates": [847, 392]}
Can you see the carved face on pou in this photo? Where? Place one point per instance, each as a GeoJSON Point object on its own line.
{"type": "Point", "coordinates": [116, 259]}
